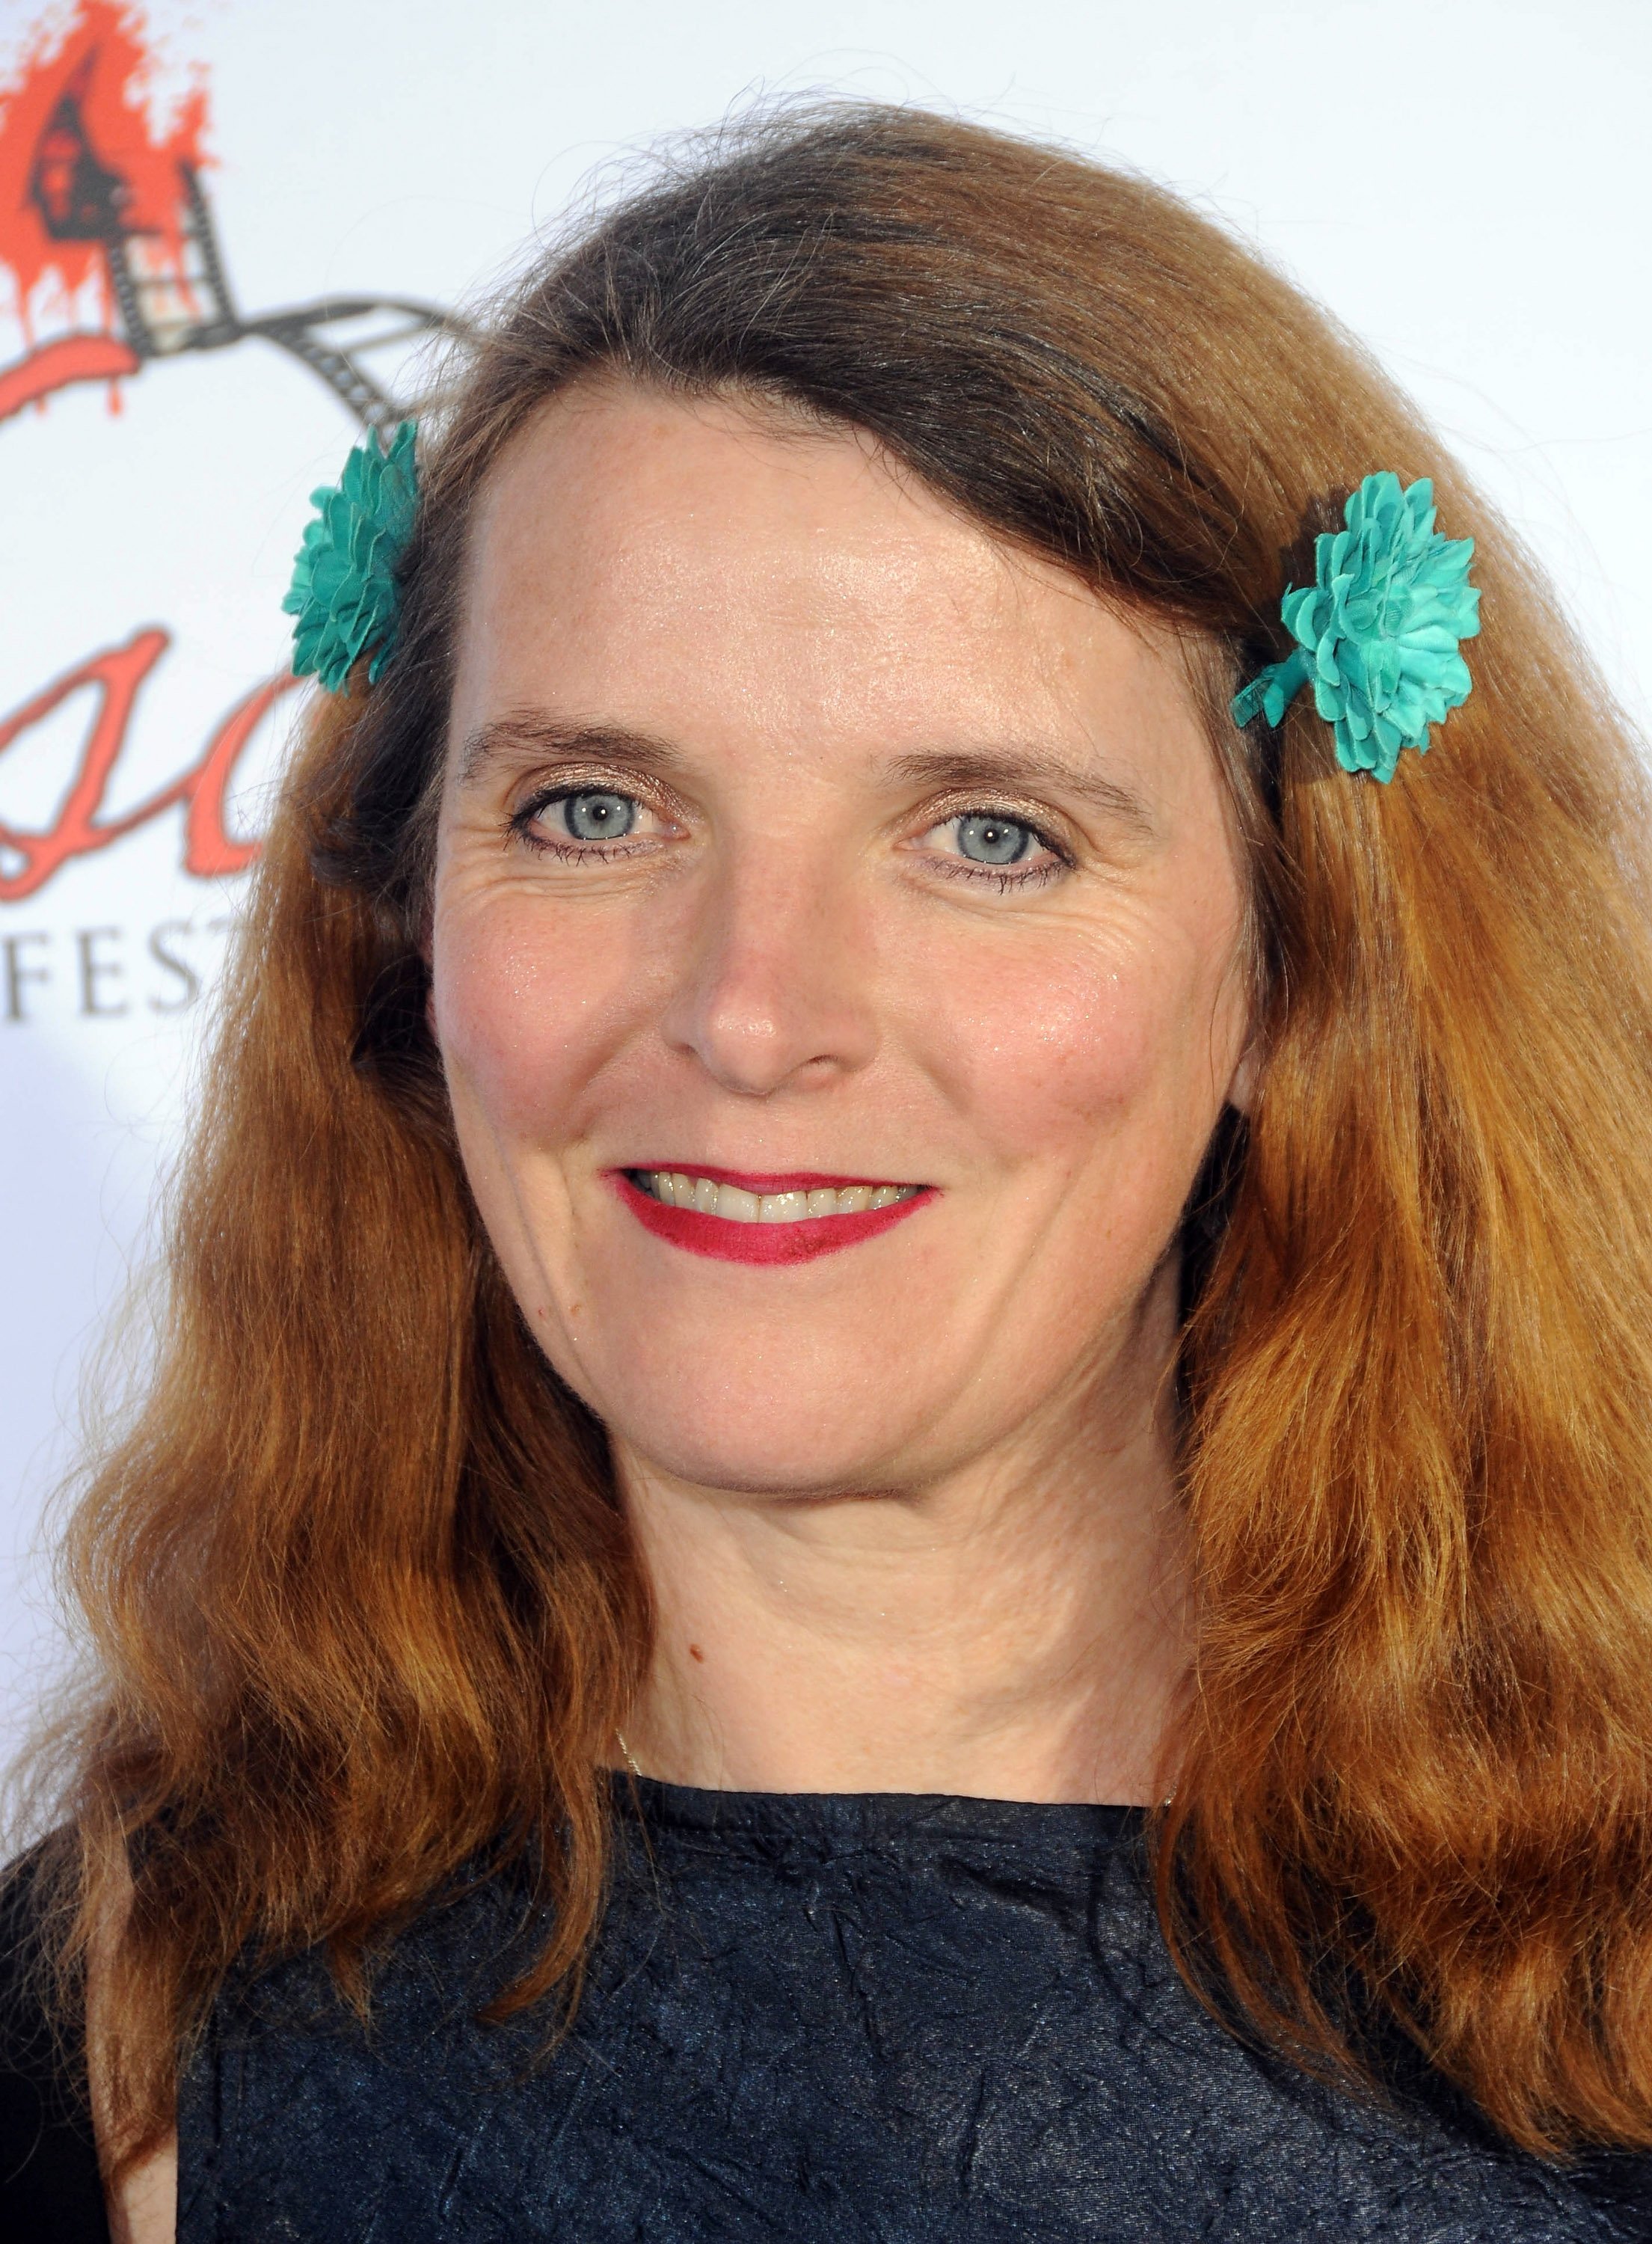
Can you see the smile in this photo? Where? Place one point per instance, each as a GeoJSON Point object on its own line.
{"type": "Point", "coordinates": [743, 1218]}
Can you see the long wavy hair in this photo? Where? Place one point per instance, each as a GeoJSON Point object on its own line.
{"type": "Point", "coordinates": [362, 1598]}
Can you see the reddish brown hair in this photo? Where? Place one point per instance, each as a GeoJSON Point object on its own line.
{"type": "Point", "coordinates": [364, 1600]}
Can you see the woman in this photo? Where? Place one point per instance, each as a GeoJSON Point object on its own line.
{"type": "Point", "coordinates": [900, 1484]}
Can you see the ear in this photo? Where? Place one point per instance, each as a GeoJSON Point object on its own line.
{"type": "Point", "coordinates": [1245, 1079]}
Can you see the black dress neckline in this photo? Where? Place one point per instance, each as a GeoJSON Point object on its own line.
{"type": "Point", "coordinates": [842, 1822]}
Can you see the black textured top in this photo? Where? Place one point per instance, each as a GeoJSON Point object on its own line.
{"type": "Point", "coordinates": [49, 2190]}
{"type": "Point", "coordinates": [833, 2018]}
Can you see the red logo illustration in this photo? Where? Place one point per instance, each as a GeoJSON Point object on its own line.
{"type": "Point", "coordinates": [107, 240]}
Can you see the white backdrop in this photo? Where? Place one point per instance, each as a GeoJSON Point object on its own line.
{"type": "Point", "coordinates": [1465, 181]}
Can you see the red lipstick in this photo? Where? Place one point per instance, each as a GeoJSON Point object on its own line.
{"type": "Point", "coordinates": [728, 1241]}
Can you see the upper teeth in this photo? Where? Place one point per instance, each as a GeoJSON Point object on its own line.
{"type": "Point", "coordinates": [736, 1205]}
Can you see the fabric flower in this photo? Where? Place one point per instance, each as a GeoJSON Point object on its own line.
{"type": "Point", "coordinates": [1377, 630]}
{"type": "Point", "coordinates": [344, 590]}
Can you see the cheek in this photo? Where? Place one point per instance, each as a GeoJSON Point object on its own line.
{"type": "Point", "coordinates": [529, 1008]}
{"type": "Point", "coordinates": [1059, 1054]}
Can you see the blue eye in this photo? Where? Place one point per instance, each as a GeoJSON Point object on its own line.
{"type": "Point", "coordinates": [594, 815]}
{"type": "Point", "coordinates": [985, 840]}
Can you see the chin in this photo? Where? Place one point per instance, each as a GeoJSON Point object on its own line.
{"type": "Point", "coordinates": [767, 1452]}
{"type": "Point", "coordinates": [764, 1436]}
{"type": "Point", "coordinates": [792, 1381]}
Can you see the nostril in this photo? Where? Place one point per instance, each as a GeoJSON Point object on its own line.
{"type": "Point", "coordinates": [758, 1048]}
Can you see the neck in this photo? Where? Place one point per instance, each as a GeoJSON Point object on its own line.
{"type": "Point", "coordinates": [1014, 1629]}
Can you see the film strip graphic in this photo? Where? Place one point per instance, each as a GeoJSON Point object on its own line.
{"type": "Point", "coordinates": [167, 306]}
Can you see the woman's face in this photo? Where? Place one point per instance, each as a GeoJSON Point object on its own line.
{"type": "Point", "coordinates": [837, 952]}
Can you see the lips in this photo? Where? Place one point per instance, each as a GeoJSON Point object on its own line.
{"type": "Point", "coordinates": [774, 1223]}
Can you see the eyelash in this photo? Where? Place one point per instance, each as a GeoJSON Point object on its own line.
{"type": "Point", "coordinates": [568, 851]}
{"type": "Point", "coordinates": [1004, 879]}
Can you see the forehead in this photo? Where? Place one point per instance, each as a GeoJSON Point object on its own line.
{"type": "Point", "coordinates": [636, 478]}
{"type": "Point", "coordinates": [709, 563]}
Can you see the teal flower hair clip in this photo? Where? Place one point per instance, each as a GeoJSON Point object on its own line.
{"type": "Point", "coordinates": [1377, 630]}
{"type": "Point", "coordinates": [344, 590]}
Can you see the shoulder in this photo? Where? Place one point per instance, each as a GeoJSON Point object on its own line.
{"type": "Point", "coordinates": [1619, 2190]}
{"type": "Point", "coordinates": [1445, 2143]}
{"type": "Point", "coordinates": [50, 2187]}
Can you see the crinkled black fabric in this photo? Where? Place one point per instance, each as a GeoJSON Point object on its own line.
{"type": "Point", "coordinates": [51, 2192]}
{"type": "Point", "coordinates": [823, 2017]}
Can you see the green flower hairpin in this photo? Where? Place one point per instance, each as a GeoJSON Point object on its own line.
{"type": "Point", "coordinates": [1377, 630]}
{"type": "Point", "coordinates": [344, 590]}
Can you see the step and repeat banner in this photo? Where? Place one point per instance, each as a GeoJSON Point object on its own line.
{"type": "Point", "coordinates": [232, 236]}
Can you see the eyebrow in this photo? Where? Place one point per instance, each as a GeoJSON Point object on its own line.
{"type": "Point", "coordinates": [1020, 772]}
{"type": "Point", "coordinates": [527, 737]}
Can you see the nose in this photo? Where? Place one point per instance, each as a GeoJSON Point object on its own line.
{"type": "Point", "coordinates": [775, 987]}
